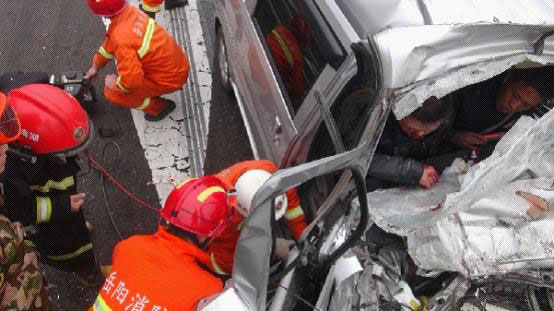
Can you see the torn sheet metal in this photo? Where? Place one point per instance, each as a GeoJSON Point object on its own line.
{"type": "Point", "coordinates": [422, 61]}
{"type": "Point", "coordinates": [495, 235]}
{"type": "Point", "coordinates": [372, 288]}
{"type": "Point", "coordinates": [447, 299]}
{"type": "Point", "coordinates": [485, 228]}
{"type": "Point", "coordinates": [357, 292]}
{"type": "Point", "coordinates": [440, 81]}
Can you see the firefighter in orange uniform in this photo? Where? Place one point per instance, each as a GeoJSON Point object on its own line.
{"type": "Point", "coordinates": [164, 271]}
{"type": "Point", "coordinates": [149, 61]}
{"type": "Point", "coordinates": [286, 49]}
{"type": "Point", "coordinates": [246, 178]}
{"type": "Point", "coordinates": [151, 7]}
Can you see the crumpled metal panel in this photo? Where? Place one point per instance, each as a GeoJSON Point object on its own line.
{"type": "Point", "coordinates": [494, 236]}
{"type": "Point", "coordinates": [447, 299]}
{"type": "Point", "coordinates": [370, 17]}
{"type": "Point", "coordinates": [421, 61]}
{"type": "Point", "coordinates": [357, 292]}
{"type": "Point", "coordinates": [484, 229]}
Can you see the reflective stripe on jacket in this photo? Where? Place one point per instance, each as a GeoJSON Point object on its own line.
{"type": "Point", "coordinates": [39, 193]}
{"type": "Point", "coordinates": [143, 50]}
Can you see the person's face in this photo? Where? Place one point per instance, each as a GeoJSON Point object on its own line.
{"type": "Point", "coordinates": [3, 149]}
{"type": "Point", "coordinates": [416, 129]}
{"type": "Point", "coordinates": [516, 96]}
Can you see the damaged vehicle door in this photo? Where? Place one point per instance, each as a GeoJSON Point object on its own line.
{"type": "Point", "coordinates": [398, 54]}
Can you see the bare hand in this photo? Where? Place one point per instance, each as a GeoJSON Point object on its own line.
{"type": "Point", "coordinates": [429, 178]}
{"type": "Point", "coordinates": [91, 73]}
{"type": "Point", "coordinates": [110, 81]}
{"type": "Point", "coordinates": [282, 248]}
{"type": "Point", "coordinates": [469, 140]}
{"type": "Point", "coordinates": [77, 201]}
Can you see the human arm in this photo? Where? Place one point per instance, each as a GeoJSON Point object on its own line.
{"type": "Point", "coordinates": [129, 69]}
{"type": "Point", "coordinates": [24, 206]}
{"type": "Point", "coordinates": [468, 140]}
{"type": "Point", "coordinates": [395, 169]}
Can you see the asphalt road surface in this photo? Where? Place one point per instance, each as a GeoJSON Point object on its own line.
{"type": "Point", "coordinates": [56, 36]}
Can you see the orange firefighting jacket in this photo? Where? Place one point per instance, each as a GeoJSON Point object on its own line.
{"type": "Point", "coordinates": [289, 60]}
{"type": "Point", "coordinates": [156, 272]}
{"type": "Point", "coordinates": [222, 248]}
{"type": "Point", "coordinates": [143, 50]}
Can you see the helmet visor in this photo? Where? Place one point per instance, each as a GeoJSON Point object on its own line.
{"type": "Point", "coordinates": [9, 126]}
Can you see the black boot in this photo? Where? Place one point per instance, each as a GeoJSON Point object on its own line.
{"type": "Point", "coordinates": [172, 4]}
{"type": "Point", "coordinates": [164, 113]}
{"type": "Point", "coordinates": [152, 15]}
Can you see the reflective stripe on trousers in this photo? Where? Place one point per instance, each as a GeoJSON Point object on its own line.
{"type": "Point", "coordinates": [145, 104]}
{"type": "Point", "coordinates": [77, 253]}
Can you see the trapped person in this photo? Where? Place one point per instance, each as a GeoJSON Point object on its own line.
{"type": "Point", "coordinates": [40, 180]}
{"type": "Point", "coordinates": [246, 178]}
{"type": "Point", "coordinates": [494, 105]}
{"type": "Point", "coordinates": [149, 61]}
{"type": "Point", "coordinates": [165, 271]}
{"type": "Point", "coordinates": [22, 287]}
{"type": "Point", "coordinates": [406, 143]}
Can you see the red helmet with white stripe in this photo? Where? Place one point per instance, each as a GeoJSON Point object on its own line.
{"type": "Point", "coordinates": [106, 8]}
{"type": "Point", "coordinates": [198, 206]}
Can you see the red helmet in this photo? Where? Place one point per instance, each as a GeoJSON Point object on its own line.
{"type": "Point", "coordinates": [9, 123]}
{"type": "Point", "coordinates": [198, 206]}
{"type": "Point", "coordinates": [106, 8]}
{"type": "Point", "coordinates": [52, 122]}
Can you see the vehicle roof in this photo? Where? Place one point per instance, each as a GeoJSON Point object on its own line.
{"type": "Point", "coordinates": [371, 17]}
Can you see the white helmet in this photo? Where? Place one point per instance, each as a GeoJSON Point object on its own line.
{"type": "Point", "coordinates": [246, 187]}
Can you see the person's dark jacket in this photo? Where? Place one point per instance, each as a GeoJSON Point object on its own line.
{"type": "Point", "coordinates": [475, 108]}
{"type": "Point", "coordinates": [398, 159]}
{"type": "Point", "coordinates": [29, 188]}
